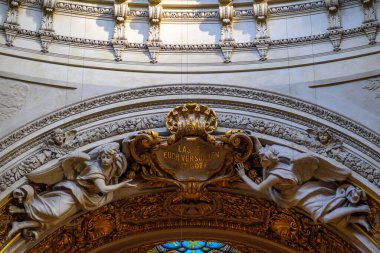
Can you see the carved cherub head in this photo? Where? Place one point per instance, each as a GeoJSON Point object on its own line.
{"type": "Point", "coordinates": [110, 157]}
{"type": "Point", "coordinates": [107, 157]}
{"type": "Point", "coordinates": [324, 136]}
{"type": "Point", "coordinates": [58, 137]}
{"type": "Point", "coordinates": [61, 138]}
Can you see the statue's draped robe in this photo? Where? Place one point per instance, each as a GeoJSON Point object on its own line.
{"type": "Point", "coordinates": [300, 185]}
{"type": "Point", "coordinates": [69, 196]}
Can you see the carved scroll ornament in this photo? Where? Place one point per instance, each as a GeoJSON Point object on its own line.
{"type": "Point", "coordinates": [191, 158]}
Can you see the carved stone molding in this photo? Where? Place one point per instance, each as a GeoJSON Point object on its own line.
{"type": "Point", "coordinates": [190, 14]}
{"type": "Point", "coordinates": [333, 150]}
{"type": "Point", "coordinates": [213, 90]}
{"type": "Point", "coordinates": [262, 44]}
{"type": "Point", "coordinates": [82, 8]}
{"type": "Point", "coordinates": [277, 10]}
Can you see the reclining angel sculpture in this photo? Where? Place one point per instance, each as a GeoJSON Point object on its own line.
{"type": "Point", "coordinates": [308, 181]}
{"type": "Point", "coordinates": [80, 182]}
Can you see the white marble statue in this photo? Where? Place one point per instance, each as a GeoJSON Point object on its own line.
{"type": "Point", "coordinates": [292, 178]}
{"type": "Point", "coordinates": [81, 182]}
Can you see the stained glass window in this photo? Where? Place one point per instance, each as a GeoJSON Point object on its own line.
{"type": "Point", "coordinates": [193, 247]}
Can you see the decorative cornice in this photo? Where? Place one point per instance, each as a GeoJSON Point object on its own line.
{"type": "Point", "coordinates": [195, 47]}
{"type": "Point", "coordinates": [303, 7]}
{"type": "Point", "coordinates": [33, 2]}
{"type": "Point", "coordinates": [296, 7]}
{"type": "Point", "coordinates": [244, 13]}
{"type": "Point", "coordinates": [190, 14]}
{"type": "Point", "coordinates": [82, 8]}
{"type": "Point", "coordinates": [139, 13]}
{"type": "Point", "coordinates": [297, 40]}
{"type": "Point", "coordinates": [97, 43]}
{"type": "Point", "coordinates": [191, 47]}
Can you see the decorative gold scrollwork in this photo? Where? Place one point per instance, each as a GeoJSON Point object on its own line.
{"type": "Point", "coordinates": [191, 158]}
{"type": "Point", "coordinates": [285, 226]}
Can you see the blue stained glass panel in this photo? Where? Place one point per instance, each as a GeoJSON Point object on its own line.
{"type": "Point", "coordinates": [193, 247]}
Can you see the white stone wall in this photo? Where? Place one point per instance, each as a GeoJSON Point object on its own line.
{"type": "Point", "coordinates": [74, 70]}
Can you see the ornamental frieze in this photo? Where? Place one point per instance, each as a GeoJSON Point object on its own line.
{"type": "Point", "coordinates": [202, 171]}
{"type": "Point", "coordinates": [128, 217]}
{"type": "Point", "coordinates": [193, 90]}
{"type": "Point", "coordinates": [328, 146]}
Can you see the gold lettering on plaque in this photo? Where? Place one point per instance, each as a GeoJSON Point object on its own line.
{"type": "Point", "coordinates": [191, 157]}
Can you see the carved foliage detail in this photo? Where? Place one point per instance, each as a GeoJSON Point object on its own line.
{"type": "Point", "coordinates": [146, 213]}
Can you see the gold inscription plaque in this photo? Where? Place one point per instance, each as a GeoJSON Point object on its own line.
{"type": "Point", "coordinates": [191, 158]}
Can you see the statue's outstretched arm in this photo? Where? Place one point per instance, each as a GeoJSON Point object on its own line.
{"type": "Point", "coordinates": [263, 186]}
{"type": "Point", "coordinates": [110, 188]}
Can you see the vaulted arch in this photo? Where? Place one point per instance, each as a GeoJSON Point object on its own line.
{"type": "Point", "coordinates": [141, 218]}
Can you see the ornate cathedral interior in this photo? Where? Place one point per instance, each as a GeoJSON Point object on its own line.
{"type": "Point", "coordinates": [189, 126]}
